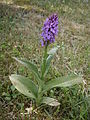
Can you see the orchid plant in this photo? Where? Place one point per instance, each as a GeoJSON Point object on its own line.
{"type": "Point", "coordinates": [37, 90]}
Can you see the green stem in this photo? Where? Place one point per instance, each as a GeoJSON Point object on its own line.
{"type": "Point", "coordinates": [44, 63]}
{"type": "Point", "coordinates": [40, 94]}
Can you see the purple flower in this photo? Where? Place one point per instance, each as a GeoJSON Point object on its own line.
{"type": "Point", "coordinates": [49, 30]}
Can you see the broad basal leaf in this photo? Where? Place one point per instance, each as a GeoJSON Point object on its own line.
{"type": "Point", "coordinates": [24, 85]}
{"type": "Point", "coordinates": [65, 81]}
{"type": "Point", "coordinates": [30, 66]}
{"type": "Point", "coordinates": [50, 101]}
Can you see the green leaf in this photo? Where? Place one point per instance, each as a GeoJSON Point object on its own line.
{"type": "Point", "coordinates": [50, 101]}
{"type": "Point", "coordinates": [49, 58]}
{"type": "Point", "coordinates": [65, 81]}
{"type": "Point", "coordinates": [48, 61]}
{"type": "Point", "coordinates": [30, 66]}
{"type": "Point", "coordinates": [24, 85]}
{"type": "Point", "coordinates": [53, 50]}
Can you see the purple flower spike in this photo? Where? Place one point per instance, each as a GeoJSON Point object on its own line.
{"type": "Point", "coordinates": [49, 30]}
